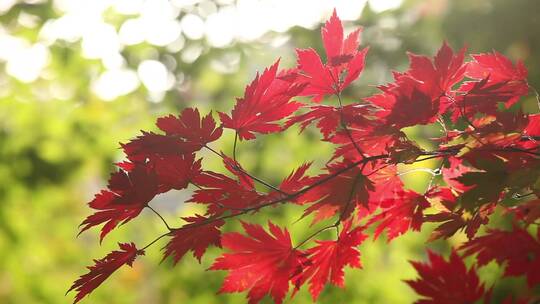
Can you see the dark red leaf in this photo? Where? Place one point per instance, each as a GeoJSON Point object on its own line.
{"type": "Point", "coordinates": [222, 193]}
{"type": "Point", "coordinates": [189, 127]}
{"type": "Point", "coordinates": [150, 145]}
{"type": "Point", "coordinates": [103, 268]}
{"type": "Point", "coordinates": [519, 249]}
{"type": "Point", "coordinates": [443, 282]}
{"type": "Point", "coordinates": [128, 193]}
{"type": "Point", "coordinates": [195, 236]}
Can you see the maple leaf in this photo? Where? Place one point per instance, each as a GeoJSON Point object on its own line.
{"type": "Point", "coordinates": [342, 193]}
{"type": "Point", "coordinates": [485, 186]}
{"type": "Point", "coordinates": [195, 236]}
{"type": "Point", "coordinates": [176, 171]}
{"type": "Point", "coordinates": [260, 262]}
{"type": "Point", "coordinates": [103, 268]}
{"type": "Point", "coordinates": [437, 78]}
{"type": "Point", "coordinates": [453, 217]}
{"type": "Point", "coordinates": [529, 211]}
{"type": "Point", "coordinates": [189, 127]}
{"type": "Point", "coordinates": [404, 105]}
{"type": "Point", "coordinates": [497, 68]}
{"type": "Point", "coordinates": [497, 81]}
{"type": "Point", "coordinates": [222, 193]}
{"type": "Point", "coordinates": [483, 96]}
{"type": "Point", "coordinates": [342, 56]}
{"type": "Point", "coordinates": [235, 168]}
{"type": "Point", "coordinates": [367, 140]}
{"type": "Point", "coordinates": [443, 282]}
{"type": "Point", "coordinates": [328, 259]}
{"type": "Point", "coordinates": [403, 212]}
{"type": "Point", "coordinates": [533, 126]}
{"type": "Point", "coordinates": [128, 193]}
{"type": "Point", "coordinates": [266, 100]}
{"type": "Point", "coordinates": [451, 173]}
{"type": "Point", "coordinates": [329, 119]}
{"type": "Point", "coordinates": [386, 182]}
{"type": "Point", "coordinates": [296, 180]}
{"type": "Point", "coordinates": [519, 249]}
{"type": "Point", "coordinates": [150, 145]}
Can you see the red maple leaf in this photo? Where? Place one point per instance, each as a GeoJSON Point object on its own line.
{"type": "Point", "coordinates": [453, 217]}
{"type": "Point", "coordinates": [128, 193]}
{"type": "Point", "coordinates": [342, 193]}
{"type": "Point", "coordinates": [195, 236]}
{"type": "Point", "coordinates": [330, 119]}
{"type": "Point", "coordinates": [497, 81]}
{"type": "Point", "coordinates": [151, 145]}
{"type": "Point", "coordinates": [519, 249]}
{"type": "Point", "coordinates": [235, 168]}
{"type": "Point", "coordinates": [296, 180]}
{"type": "Point", "coordinates": [404, 104]}
{"type": "Point", "coordinates": [455, 169]}
{"type": "Point", "coordinates": [266, 100]}
{"type": "Point", "coordinates": [189, 127]}
{"type": "Point", "coordinates": [327, 260]}
{"type": "Point", "coordinates": [222, 193]}
{"type": "Point", "coordinates": [344, 61]}
{"type": "Point", "coordinates": [103, 268]}
{"type": "Point", "coordinates": [176, 171]}
{"type": "Point", "coordinates": [443, 282]}
{"type": "Point", "coordinates": [528, 212]}
{"type": "Point", "coordinates": [260, 262]}
{"type": "Point", "coordinates": [497, 68]}
{"type": "Point", "coordinates": [533, 127]}
{"type": "Point", "coordinates": [437, 78]}
{"type": "Point", "coordinates": [399, 214]}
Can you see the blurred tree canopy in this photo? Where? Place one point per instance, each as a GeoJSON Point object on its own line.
{"type": "Point", "coordinates": [69, 94]}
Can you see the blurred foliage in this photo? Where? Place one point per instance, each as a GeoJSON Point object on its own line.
{"type": "Point", "coordinates": [58, 142]}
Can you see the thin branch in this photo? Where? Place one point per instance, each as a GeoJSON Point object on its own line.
{"type": "Point", "coordinates": [344, 126]}
{"type": "Point", "coordinates": [319, 182]}
{"type": "Point", "coordinates": [432, 178]}
{"type": "Point", "coordinates": [237, 168]}
{"type": "Point", "coordinates": [351, 194]}
{"type": "Point", "coordinates": [157, 239]}
{"type": "Point", "coordinates": [335, 225]}
{"type": "Point", "coordinates": [161, 217]}
{"type": "Point", "coordinates": [234, 145]}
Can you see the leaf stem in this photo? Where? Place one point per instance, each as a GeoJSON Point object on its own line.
{"type": "Point", "coordinates": [161, 217]}
{"type": "Point", "coordinates": [237, 168]}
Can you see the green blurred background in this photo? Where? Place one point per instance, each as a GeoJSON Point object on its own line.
{"type": "Point", "coordinates": [77, 77]}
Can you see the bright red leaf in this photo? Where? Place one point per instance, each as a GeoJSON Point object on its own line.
{"type": "Point", "coordinates": [403, 212]}
{"type": "Point", "coordinates": [437, 78]}
{"type": "Point", "coordinates": [344, 61]}
{"type": "Point", "coordinates": [328, 259]}
{"type": "Point", "coordinates": [266, 101]}
{"type": "Point", "coordinates": [341, 194]}
{"type": "Point", "coordinates": [260, 262]}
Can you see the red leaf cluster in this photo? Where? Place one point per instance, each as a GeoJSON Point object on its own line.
{"type": "Point", "coordinates": [487, 151]}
